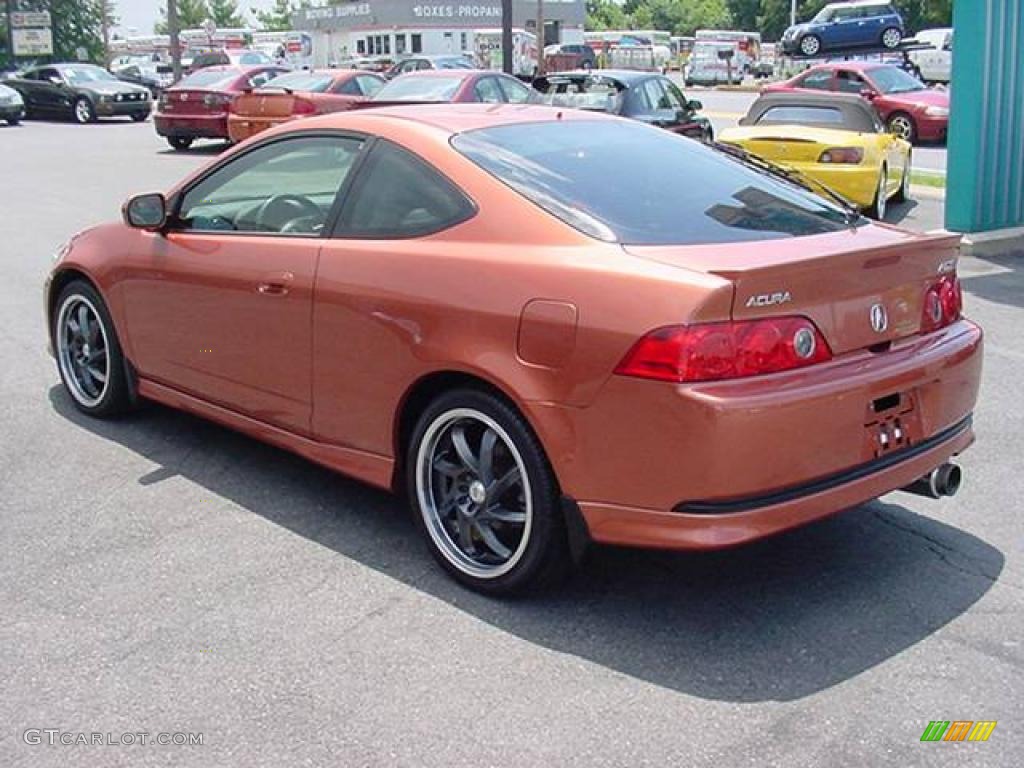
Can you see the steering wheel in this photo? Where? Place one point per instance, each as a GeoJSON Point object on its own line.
{"type": "Point", "coordinates": [278, 211]}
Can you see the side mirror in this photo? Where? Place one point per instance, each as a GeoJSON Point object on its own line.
{"type": "Point", "coordinates": [694, 106]}
{"type": "Point", "coordinates": [147, 211]}
{"type": "Point", "coordinates": [55, 80]}
{"type": "Point", "coordinates": [868, 94]}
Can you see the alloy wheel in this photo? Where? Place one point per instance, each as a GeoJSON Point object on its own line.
{"type": "Point", "coordinates": [83, 350]}
{"type": "Point", "coordinates": [891, 37]}
{"type": "Point", "coordinates": [83, 112]}
{"type": "Point", "coordinates": [474, 493]}
{"type": "Point", "coordinates": [810, 45]}
{"type": "Point", "coordinates": [902, 127]}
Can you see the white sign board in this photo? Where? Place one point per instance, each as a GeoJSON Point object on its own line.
{"type": "Point", "coordinates": [32, 42]}
{"type": "Point", "coordinates": [22, 19]}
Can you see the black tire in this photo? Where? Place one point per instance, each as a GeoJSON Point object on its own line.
{"type": "Point", "coordinates": [113, 396]}
{"type": "Point", "coordinates": [891, 38]}
{"type": "Point", "coordinates": [810, 45]}
{"type": "Point", "coordinates": [881, 202]}
{"type": "Point", "coordinates": [902, 125]}
{"type": "Point", "coordinates": [539, 555]}
{"type": "Point", "coordinates": [140, 117]}
{"type": "Point", "coordinates": [903, 193]}
{"type": "Point", "coordinates": [180, 143]}
{"type": "Point", "coordinates": [83, 111]}
{"type": "Point", "coordinates": [13, 120]}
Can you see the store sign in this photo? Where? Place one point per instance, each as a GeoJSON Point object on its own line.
{"type": "Point", "coordinates": [32, 42]}
{"type": "Point", "coordinates": [338, 11]}
{"type": "Point", "coordinates": [22, 19]}
{"type": "Point", "coordinates": [454, 11]}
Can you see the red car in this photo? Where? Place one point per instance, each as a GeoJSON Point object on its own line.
{"type": "Point", "coordinates": [197, 107]}
{"type": "Point", "coordinates": [299, 94]}
{"type": "Point", "coordinates": [456, 85]}
{"type": "Point", "coordinates": [910, 109]}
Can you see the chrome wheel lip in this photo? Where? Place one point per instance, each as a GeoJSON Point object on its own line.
{"type": "Point", "coordinates": [65, 354]}
{"type": "Point", "coordinates": [439, 534]}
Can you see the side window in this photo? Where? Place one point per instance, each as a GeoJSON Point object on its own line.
{"type": "Point", "coordinates": [655, 95]}
{"type": "Point", "coordinates": [397, 195]}
{"type": "Point", "coordinates": [264, 77]}
{"type": "Point", "coordinates": [423, 64]}
{"type": "Point", "coordinates": [350, 88]}
{"type": "Point", "coordinates": [850, 82]}
{"type": "Point", "coordinates": [287, 187]}
{"type": "Point", "coordinates": [675, 97]}
{"type": "Point", "coordinates": [488, 91]}
{"type": "Point", "coordinates": [369, 85]}
{"type": "Point", "coordinates": [819, 80]}
{"type": "Point", "coordinates": [515, 92]}
{"type": "Point", "coordinates": [49, 75]}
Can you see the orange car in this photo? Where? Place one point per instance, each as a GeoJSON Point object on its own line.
{"type": "Point", "coordinates": [299, 94]}
{"type": "Point", "coordinates": [492, 308]}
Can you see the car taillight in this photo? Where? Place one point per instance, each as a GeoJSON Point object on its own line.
{"type": "Point", "coordinates": [849, 155]}
{"type": "Point", "coordinates": [727, 350]}
{"type": "Point", "coordinates": [217, 99]}
{"type": "Point", "coordinates": [943, 303]}
{"type": "Point", "coordinates": [303, 107]}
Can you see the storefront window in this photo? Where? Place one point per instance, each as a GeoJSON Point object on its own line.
{"type": "Point", "coordinates": [399, 44]}
{"type": "Point", "coordinates": [417, 43]}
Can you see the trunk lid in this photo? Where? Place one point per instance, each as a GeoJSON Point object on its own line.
{"type": "Point", "coordinates": [193, 102]}
{"type": "Point", "coordinates": [789, 144]}
{"type": "Point", "coordinates": [835, 279]}
{"type": "Point", "coordinates": [261, 104]}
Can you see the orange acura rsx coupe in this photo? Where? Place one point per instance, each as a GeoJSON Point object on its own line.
{"type": "Point", "coordinates": [546, 327]}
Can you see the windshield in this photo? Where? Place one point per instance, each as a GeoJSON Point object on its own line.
{"type": "Point", "coordinates": [420, 89]}
{"type": "Point", "coordinates": [301, 81]}
{"type": "Point", "coordinates": [894, 80]}
{"type": "Point", "coordinates": [81, 75]}
{"type": "Point", "coordinates": [825, 14]}
{"type": "Point", "coordinates": [211, 78]}
{"type": "Point", "coordinates": [596, 176]}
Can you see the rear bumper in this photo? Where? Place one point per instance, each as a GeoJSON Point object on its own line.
{"type": "Point", "coordinates": [857, 183]}
{"type": "Point", "coordinates": [241, 127]}
{"type": "Point", "coordinates": [191, 126]}
{"type": "Point", "coordinates": [717, 464]}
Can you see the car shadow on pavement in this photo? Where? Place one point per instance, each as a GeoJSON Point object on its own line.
{"type": "Point", "coordinates": [897, 212]}
{"type": "Point", "coordinates": [776, 620]}
{"type": "Point", "coordinates": [206, 148]}
{"type": "Point", "coordinates": [1004, 284]}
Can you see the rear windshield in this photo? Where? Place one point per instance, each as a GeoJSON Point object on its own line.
{"type": "Point", "coordinates": [210, 78]}
{"type": "Point", "coordinates": [625, 182]}
{"type": "Point", "coordinates": [434, 88]}
{"type": "Point", "coordinates": [301, 81]}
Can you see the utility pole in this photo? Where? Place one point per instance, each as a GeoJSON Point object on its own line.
{"type": "Point", "coordinates": [172, 30]}
{"type": "Point", "coordinates": [792, 13]}
{"type": "Point", "coordinates": [105, 27]}
{"type": "Point", "coordinates": [540, 37]}
{"type": "Point", "coordinates": [506, 36]}
{"type": "Point", "coordinates": [10, 34]}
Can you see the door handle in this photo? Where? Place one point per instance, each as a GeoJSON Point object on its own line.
{"type": "Point", "coordinates": [277, 284]}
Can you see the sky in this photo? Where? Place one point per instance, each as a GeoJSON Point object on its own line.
{"type": "Point", "coordinates": [138, 16]}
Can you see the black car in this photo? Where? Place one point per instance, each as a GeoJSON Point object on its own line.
{"type": "Point", "coordinates": [588, 59]}
{"type": "Point", "coordinates": [154, 77]}
{"type": "Point", "coordinates": [644, 96]}
{"type": "Point", "coordinates": [82, 92]}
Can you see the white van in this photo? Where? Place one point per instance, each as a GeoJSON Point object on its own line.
{"type": "Point", "coordinates": [935, 63]}
{"type": "Point", "coordinates": [706, 67]}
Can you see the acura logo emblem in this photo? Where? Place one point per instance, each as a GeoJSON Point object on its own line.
{"type": "Point", "coordinates": [879, 318]}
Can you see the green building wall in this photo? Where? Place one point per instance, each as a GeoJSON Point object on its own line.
{"type": "Point", "coordinates": [985, 167]}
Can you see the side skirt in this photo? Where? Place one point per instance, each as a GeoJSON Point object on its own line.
{"type": "Point", "coordinates": [368, 467]}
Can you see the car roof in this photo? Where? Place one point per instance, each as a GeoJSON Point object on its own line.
{"type": "Point", "coordinates": [421, 73]}
{"type": "Point", "coordinates": [855, 109]}
{"type": "Point", "coordinates": [625, 76]}
{"type": "Point", "coordinates": [857, 66]}
{"type": "Point", "coordinates": [450, 118]}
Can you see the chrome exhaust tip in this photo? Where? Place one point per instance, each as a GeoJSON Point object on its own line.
{"type": "Point", "coordinates": [942, 481]}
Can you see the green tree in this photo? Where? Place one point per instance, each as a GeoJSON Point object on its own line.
{"type": "Point", "coordinates": [605, 14]}
{"type": "Point", "coordinates": [279, 17]}
{"type": "Point", "coordinates": [225, 13]}
{"type": "Point", "coordinates": [77, 24]}
{"type": "Point", "coordinates": [191, 15]}
{"type": "Point", "coordinates": [745, 13]}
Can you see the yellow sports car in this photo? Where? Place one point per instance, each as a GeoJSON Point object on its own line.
{"type": "Point", "coordinates": [836, 139]}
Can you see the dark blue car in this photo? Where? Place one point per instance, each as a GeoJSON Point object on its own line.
{"type": "Point", "coordinates": [865, 23]}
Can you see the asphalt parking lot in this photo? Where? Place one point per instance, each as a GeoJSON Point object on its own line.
{"type": "Point", "coordinates": [162, 574]}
